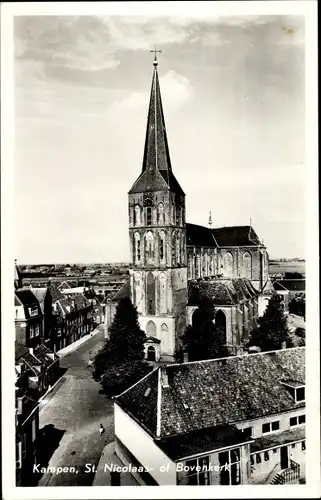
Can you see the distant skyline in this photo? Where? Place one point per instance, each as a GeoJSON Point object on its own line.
{"type": "Point", "coordinates": [233, 97]}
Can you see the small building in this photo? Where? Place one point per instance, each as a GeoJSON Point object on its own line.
{"type": "Point", "coordinates": [240, 419]}
{"type": "Point", "coordinates": [27, 436]}
{"type": "Point", "coordinates": [29, 318]}
{"type": "Point", "coordinates": [288, 289]}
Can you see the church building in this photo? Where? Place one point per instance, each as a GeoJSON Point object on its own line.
{"type": "Point", "coordinates": [172, 260]}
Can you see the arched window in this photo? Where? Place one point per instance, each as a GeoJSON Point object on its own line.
{"type": "Point", "coordinates": [150, 295]}
{"type": "Point", "coordinates": [164, 327]}
{"type": "Point", "coordinates": [173, 248]}
{"type": "Point", "coordinates": [183, 249]}
{"type": "Point", "coordinates": [137, 247]}
{"type": "Point", "coordinates": [149, 247]}
{"type": "Point", "coordinates": [220, 327]}
{"type": "Point", "coordinates": [178, 216]}
{"type": "Point", "coordinates": [151, 329]}
{"type": "Point", "coordinates": [178, 247]}
{"type": "Point", "coordinates": [173, 213]}
{"type": "Point", "coordinates": [148, 216]}
{"type": "Point", "coordinates": [190, 265]}
{"type": "Point", "coordinates": [160, 214]}
{"type": "Point", "coordinates": [137, 213]}
{"type": "Point", "coordinates": [198, 266]}
{"type": "Point", "coordinates": [247, 265]}
{"type": "Point", "coordinates": [162, 293]}
{"type": "Point", "coordinates": [161, 245]}
{"type": "Point", "coordinates": [228, 265]}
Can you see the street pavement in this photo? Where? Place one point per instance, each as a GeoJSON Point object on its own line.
{"type": "Point", "coordinates": [70, 416]}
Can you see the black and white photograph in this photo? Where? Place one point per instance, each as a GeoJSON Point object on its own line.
{"type": "Point", "coordinates": [163, 169]}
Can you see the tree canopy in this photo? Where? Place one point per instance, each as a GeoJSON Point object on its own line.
{"type": "Point", "coordinates": [272, 331]}
{"type": "Point", "coordinates": [120, 363]}
{"type": "Point", "coordinates": [202, 340]}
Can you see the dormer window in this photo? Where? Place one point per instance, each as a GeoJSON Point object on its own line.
{"type": "Point", "coordinates": [296, 389]}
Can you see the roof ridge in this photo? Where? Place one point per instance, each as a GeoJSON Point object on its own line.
{"type": "Point", "coordinates": [136, 383]}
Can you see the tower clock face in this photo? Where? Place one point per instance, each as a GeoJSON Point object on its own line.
{"type": "Point", "coordinates": [148, 199]}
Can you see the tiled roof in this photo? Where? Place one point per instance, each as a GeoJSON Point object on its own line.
{"type": "Point", "coordinates": [221, 291]}
{"type": "Point", "coordinates": [278, 439]}
{"type": "Point", "coordinates": [195, 442]}
{"type": "Point", "coordinates": [55, 292]}
{"type": "Point", "coordinates": [199, 236]}
{"type": "Point", "coordinates": [291, 285]}
{"type": "Point", "coordinates": [209, 393]}
{"type": "Point", "coordinates": [42, 352]}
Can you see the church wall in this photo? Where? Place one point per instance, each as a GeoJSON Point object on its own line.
{"type": "Point", "coordinates": [166, 336]}
{"type": "Point", "coordinates": [201, 262]}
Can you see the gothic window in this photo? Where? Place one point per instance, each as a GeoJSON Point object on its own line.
{"type": "Point", "coordinates": [160, 214]}
{"type": "Point", "coordinates": [150, 295]}
{"type": "Point", "coordinates": [148, 216]}
{"type": "Point", "coordinates": [149, 246]}
{"type": "Point", "coordinates": [162, 293]}
{"type": "Point", "coordinates": [164, 327]}
{"type": "Point", "coordinates": [178, 248]}
{"type": "Point", "coordinates": [228, 265]}
{"type": "Point", "coordinates": [173, 248]}
{"type": "Point", "coordinates": [198, 266]}
{"type": "Point", "coordinates": [178, 216]}
{"type": "Point", "coordinates": [151, 329]}
{"type": "Point", "coordinates": [247, 265]}
{"type": "Point", "coordinates": [137, 212]}
{"type": "Point", "coordinates": [183, 249]}
{"type": "Point", "coordinates": [137, 247]}
{"type": "Point", "coordinates": [161, 246]}
{"type": "Point", "coordinates": [173, 213]}
{"type": "Point", "coordinates": [190, 266]}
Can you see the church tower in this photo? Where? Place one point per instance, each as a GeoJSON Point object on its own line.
{"type": "Point", "coordinates": [157, 231]}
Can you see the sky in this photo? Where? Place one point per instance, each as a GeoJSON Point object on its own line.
{"type": "Point", "coordinates": [233, 97]}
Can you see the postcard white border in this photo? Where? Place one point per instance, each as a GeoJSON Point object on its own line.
{"type": "Point", "coordinates": [198, 9]}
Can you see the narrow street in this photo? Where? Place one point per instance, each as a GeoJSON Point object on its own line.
{"type": "Point", "coordinates": [69, 418]}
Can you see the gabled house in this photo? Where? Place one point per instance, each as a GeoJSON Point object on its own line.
{"type": "Point", "coordinates": [27, 436]}
{"type": "Point", "coordinates": [29, 318]}
{"type": "Point", "coordinates": [228, 421]}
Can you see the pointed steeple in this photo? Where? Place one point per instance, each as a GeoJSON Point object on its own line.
{"type": "Point", "coordinates": [156, 162]}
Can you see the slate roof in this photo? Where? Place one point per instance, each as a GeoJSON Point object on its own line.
{"type": "Point", "coordinates": [123, 292]}
{"type": "Point", "coordinates": [157, 172]}
{"type": "Point", "coordinates": [193, 443]}
{"type": "Point", "coordinates": [199, 236]}
{"type": "Point", "coordinates": [27, 297]}
{"type": "Point", "coordinates": [291, 285]}
{"type": "Point", "coordinates": [221, 290]}
{"type": "Point", "coordinates": [221, 236]}
{"type": "Point", "coordinates": [210, 393]}
{"type": "Point", "coordinates": [20, 350]}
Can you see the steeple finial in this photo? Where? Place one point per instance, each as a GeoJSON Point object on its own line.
{"type": "Point", "coordinates": [210, 220]}
{"type": "Point", "coordinates": [155, 63]}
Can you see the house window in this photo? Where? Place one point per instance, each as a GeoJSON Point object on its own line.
{"type": "Point", "coordinates": [31, 331]}
{"type": "Point", "coordinates": [18, 455]}
{"type": "Point", "coordinates": [24, 446]}
{"type": "Point", "coordinates": [247, 431]}
{"type": "Point", "coordinates": [266, 456]}
{"type": "Point", "coordinates": [293, 445]}
{"type": "Point", "coordinates": [230, 476]}
{"type": "Point", "coordinates": [300, 394]}
{"type": "Point", "coordinates": [258, 458]}
{"type": "Point", "coordinates": [33, 430]}
{"type": "Point", "coordinates": [202, 476]}
{"type": "Point", "coordinates": [303, 446]}
{"type": "Point", "coordinates": [297, 420]}
{"type": "Point", "coordinates": [33, 311]}
{"type": "Point", "coordinates": [252, 459]}
{"type": "Point", "coordinates": [37, 330]}
{"type": "Point", "coordinates": [270, 427]}
{"type": "Point", "coordinates": [148, 216]}
{"type": "Point", "coordinates": [274, 450]}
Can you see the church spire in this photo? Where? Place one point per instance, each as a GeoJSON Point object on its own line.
{"type": "Point", "coordinates": [156, 152]}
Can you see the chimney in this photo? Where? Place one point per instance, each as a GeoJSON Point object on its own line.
{"type": "Point", "coordinates": [164, 376]}
{"type": "Point", "coordinates": [31, 350]}
{"type": "Point", "coordinates": [185, 357]}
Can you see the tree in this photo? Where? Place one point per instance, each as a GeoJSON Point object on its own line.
{"type": "Point", "coordinates": [202, 340]}
{"type": "Point", "coordinates": [120, 363]}
{"type": "Point", "coordinates": [297, 305]}
{"type": "Point", "coordinates": [272, 331]}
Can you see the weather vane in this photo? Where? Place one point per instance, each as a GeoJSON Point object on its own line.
{"type": "Point", "coordinates": [155, 52]}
